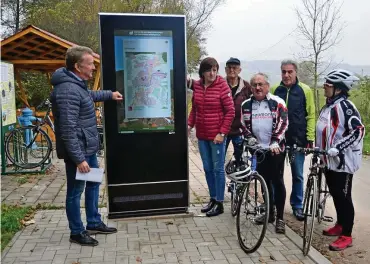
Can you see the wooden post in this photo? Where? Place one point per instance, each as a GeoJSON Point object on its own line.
{"type": "Point", "coordinates": [23, 95]}
{"type": "Point", "coordinates": [48, 76]}
{"type": "Point", "coordinates": [97, 79]}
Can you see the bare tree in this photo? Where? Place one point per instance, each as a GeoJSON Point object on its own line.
{"type": "Point", "coordinates": [12, 15]}
{"type": "Point", "coordinates": [305, 72]}
{"type": "Point", "coordinates": [319, 24]}
{"type": "Point", "coordinates": [198, 14]}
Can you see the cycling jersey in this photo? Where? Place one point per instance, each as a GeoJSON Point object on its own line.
{"type": "Point", "coordinates": [267, 120]}
{"type": "Point", "coordinates": [339, 126]}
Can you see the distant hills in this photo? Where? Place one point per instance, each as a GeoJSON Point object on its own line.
{"type": "Point", "coordinates": [272, 69]}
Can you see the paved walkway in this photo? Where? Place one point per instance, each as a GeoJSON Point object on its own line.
{"type": "Point", "coordinates": [187, 239]}
{"type": "Point", "coordinates": [50, 189]}
{"type": "Point", "coordinates": [168, 240]}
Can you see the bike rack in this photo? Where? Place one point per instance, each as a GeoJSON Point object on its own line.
{"type": "Point", "coordinates": [9, 168]}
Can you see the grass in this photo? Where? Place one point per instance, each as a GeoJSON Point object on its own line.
{"type": "Point", "coordinates": [22, 180]}
{"type": "Point", "coordinates": [11, 217]}
{"type": "Point", "coordinates": [366, 149]}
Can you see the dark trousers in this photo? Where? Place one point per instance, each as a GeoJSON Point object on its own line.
{"type": "Point", "coordinates": [75, 189]}
{"type": "Point", "coordinates": [340, 188]}
{"type": "Point", "coordinates": [271, 168]}
{"type": "Point", "coordinates": [238, 146]}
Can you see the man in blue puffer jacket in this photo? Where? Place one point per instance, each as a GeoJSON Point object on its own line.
{"type": "Point", "coordinates": [77, 139]}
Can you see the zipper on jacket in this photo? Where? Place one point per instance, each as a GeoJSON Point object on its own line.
{"type": "Point", "coordinates": [328, 136]}
{"type": "Point", "coordinates": [287, 96]}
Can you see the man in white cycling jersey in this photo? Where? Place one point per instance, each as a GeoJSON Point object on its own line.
{"type": "Point", "coordinates": [265, 120]}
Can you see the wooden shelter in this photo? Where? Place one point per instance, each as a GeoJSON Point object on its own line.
{"type": "Point", "coordinates": [34, 49]}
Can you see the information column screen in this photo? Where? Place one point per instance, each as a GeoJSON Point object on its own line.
{"type": "Point", "coordinates": [144, 76]}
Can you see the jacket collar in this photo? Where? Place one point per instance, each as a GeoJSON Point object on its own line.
{"type": "Point", "coordinates": [240, 86]}
{"type": "Point", "coordinates": [294, 85]}
{"type": "Point", "coordinates": [331, 101]}
{"type": "Point", "coordinates": [75, 76]}
{"type": "Point", "coordinates": [267, 97]}
{"type": "Point", "coordinates": [201, 81]}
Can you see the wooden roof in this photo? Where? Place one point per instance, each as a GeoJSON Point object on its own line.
{"type": "Point", "coordinates": [36, 49]}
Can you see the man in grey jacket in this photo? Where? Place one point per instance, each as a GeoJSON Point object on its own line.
{"type": "Point", "coordinates": [77, 139]}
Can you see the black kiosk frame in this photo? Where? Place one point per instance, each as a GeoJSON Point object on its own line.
{"type": "Point", "coordinates": [146, 144]}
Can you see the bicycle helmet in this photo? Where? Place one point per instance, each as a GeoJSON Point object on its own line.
{"type": "Point", "coordinates": [341, 79]}
{"type": "Point", "coordinates": [237, 173]}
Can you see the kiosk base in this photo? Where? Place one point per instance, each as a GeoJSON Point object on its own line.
{"type": "Point", "coordinates": [147, 213]}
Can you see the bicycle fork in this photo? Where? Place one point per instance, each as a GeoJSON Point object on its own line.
{"type": "Point", "coordinates": [321, 205]}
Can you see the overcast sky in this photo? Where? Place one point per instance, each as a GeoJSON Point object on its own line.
{"type": "Point", "coordinates": [248, 29]}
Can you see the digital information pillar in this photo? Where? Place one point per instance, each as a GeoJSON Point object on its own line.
{"type": "Point", "coordinates": [146, 144]}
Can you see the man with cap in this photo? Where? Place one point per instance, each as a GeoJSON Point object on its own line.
{"type": "Point", "coordinates": [240, 91]}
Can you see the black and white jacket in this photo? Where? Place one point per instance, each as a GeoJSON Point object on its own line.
{"type": "Point", "coordinates": [339, 126]}
{"type": "Point", "coordinates": [272, 121]}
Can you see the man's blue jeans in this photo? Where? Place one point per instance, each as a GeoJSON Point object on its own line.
{"type": "Point", "coordinates": [296, 197]}
{"type": "Point", "coordinates": [74, 191]}
{"type": "Point", "coordinates": [213, 158]}
{"type": "Point", "coordinates": [238, 146]}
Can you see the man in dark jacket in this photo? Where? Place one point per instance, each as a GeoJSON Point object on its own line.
{"type": "Point", "coordinates": [241, 91]}
{"type": "Point", "coordinates": [77, 139]}
{"type": "Point", "coordinates": [301, 132]}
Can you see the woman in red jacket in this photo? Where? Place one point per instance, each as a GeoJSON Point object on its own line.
{"type": "Point", "coordinates": [212, 113]}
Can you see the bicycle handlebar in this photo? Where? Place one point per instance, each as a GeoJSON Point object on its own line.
{"type": "Point", "coordinates": [44, 103]}
{"type": "Point", "coordinates": [307, 150]}
{"type": "Point", "coordinates": [256, 147]}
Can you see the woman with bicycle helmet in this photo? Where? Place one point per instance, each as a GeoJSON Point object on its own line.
{"type": "Point", "coordinates": [339, 130]}
{"type": "Point", "coordinates": [265, 120]}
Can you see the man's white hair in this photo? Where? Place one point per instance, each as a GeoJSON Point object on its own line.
{"type": "Point", "coordinates": [290, 62]}
{"type": "Point", "coordinates": [264, 75]}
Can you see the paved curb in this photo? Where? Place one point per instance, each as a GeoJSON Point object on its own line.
{"type": "Point", "coordinates": [313, 254]}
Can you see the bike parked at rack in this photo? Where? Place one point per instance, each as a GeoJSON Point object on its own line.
{"type": "Point", "coordinates": [30, 146]}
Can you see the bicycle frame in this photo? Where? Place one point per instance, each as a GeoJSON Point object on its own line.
{"type": "Point", "coordinates": [312, 203]}
{"type": "Point", "coordinates": [45, 120]}
{"type": "Point", "coordinates": [236, 187]}
{"type": "Point", "coordinates": [316, 170]}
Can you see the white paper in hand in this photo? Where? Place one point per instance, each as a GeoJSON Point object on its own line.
{"type": "Point", "coordinates": [95, 175]}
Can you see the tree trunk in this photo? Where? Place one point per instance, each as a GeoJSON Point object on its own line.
{"type": "Point", "coordinates": [316, 90]}
{"type": "Point", "coordinates": [17, 17]}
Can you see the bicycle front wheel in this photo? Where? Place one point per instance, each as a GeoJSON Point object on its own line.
{"type": "Point", "coordinates": [309, 211]}
{"type": "Point", "coordinates": [252, 221]}
{"type": "Point", "coordinates": [235, 196]}
{"type": "Point", "coordinates": [28, 147]}
{"type": "Point", "coordinates": [323, 195]}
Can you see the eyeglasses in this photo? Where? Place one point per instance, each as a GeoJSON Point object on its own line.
{"type": "Point", "coordinates": [328, 85]}
{"type": "Point", "coordinates": [255, 85]}
{"type": "Point", "coordinates": [233, 67]}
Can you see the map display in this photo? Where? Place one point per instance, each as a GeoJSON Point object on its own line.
{"type": "Point", "coordinates": [148, 92]}
{"type": "Point", "coordinates": [144, 73]}
{"type": "Point", "coordinates": [8, 107]}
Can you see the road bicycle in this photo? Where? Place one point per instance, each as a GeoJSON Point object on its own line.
{"type": "Point", "coordinates": [249, 199]}
{"type": "Point", "coordinates": [316, 194]}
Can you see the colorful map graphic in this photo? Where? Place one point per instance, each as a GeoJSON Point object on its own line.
{"type": "Point", "coordinates": [148, 89]}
